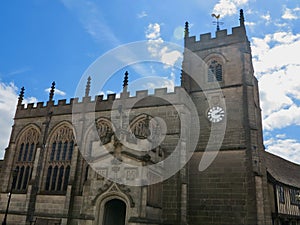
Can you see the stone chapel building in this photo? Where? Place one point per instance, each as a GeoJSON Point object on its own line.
{"type": "Point", "coordinates": [50, 178]}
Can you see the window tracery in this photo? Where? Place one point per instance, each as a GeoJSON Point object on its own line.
{"type": "Point", "coordinates": [60, 150]}
{"type": "Point", "coordinates": [26, 148]}
{"type": "Point", "coordinates": [104, 130]}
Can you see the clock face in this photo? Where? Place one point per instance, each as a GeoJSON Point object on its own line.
{"type": "Point", "coordinates": [215, 114]}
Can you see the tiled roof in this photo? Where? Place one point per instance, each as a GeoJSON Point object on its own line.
{"type": "Point", "coordinates": [282, 170]}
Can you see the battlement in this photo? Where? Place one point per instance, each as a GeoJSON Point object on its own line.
{"type": "Point", "coordinates": [160, 97]}
{"type": "Point", "coordinates": [222, 37]}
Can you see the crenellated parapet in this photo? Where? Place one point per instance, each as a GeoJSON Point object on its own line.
{"type": "Point", "coordinates": [221, 37]}
{"type": "Point", "coordinates": [99, 103]}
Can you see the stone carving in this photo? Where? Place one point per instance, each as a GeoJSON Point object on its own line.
{"type": "Point", "coordinates": [109, 186]}
{"type": "Point", "coordinates": [63, 133]}
{"type": "Point", "coordinates": [102, 173]}
{"type": "Point", "coordinates": [105, 131]}
{"type": "Point", "coordinates": [145, 128]}
{"type": "Point", "coordinates": [140, 128]}
{"type": "Point", "coordinates": [30, 136]}
{"type": "Point", "coordinates": [131, 173]}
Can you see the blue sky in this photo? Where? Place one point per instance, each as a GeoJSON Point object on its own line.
{"type": "Point", "coordinates": [57, 40]}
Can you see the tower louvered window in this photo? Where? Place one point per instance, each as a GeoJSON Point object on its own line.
{"type": "Point", "coordinates": [59, 159]}
{"type": "Point", "coordinates": [215, 72]}
{"type": "Point", "coordinates": [26, 149]}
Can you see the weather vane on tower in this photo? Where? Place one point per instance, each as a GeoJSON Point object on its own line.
{"type": "Point", "coordinates": [217, 22]}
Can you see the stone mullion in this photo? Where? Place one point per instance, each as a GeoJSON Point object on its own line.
{"type": "Point", "coordinates": [68, 149]}
{"type": "Point", "coordinates": [56, 180]}
{"type": "Point", "coordinates": [30, 174]}
{"type": "Point", "coordinates": [55, 152]}
{"type": "Point", "coordinates": [18, 151]}
{"type": "Point", "coordinates": [18, 176]}
{"type": "Point", "coordinates": [59, 143]}
{"type": "Point", "coordinates": [25, 156]}
{"type": "Point", "coordinates": [22, 178]}
{"type": "Point", "coordinates": [63, 177]}
{"type": "Point", "coordinates": [50, 179]}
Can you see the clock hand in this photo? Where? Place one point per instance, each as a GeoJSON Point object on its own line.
{"type": "Point", "coordinates": [218, 113]}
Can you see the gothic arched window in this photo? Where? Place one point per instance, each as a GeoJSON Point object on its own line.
{"type": "Point", "coordinates": [59, 159]}
{"type": "Point", "coordinates": [26, 149]}
{"type": "Point", "coordinates": [215, 72]}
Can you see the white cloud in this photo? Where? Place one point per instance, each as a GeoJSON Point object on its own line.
{"type": "Point", "coordinates": [153, 82]}
{"type": "Point", "coordinates": [250, 24]}
{"type": "Point", "coordinates": [8, 102]}
{"type": "Point", "coordinates": [228, 7]}
{"type": "Point", "coordinates": [283, 118]}
{"type": "Point", "coordinates": [291, 14]}
{"type": "Point", "coordinates": [92, 19]}
{"type": "Point", "coordinates": [19, 71]}
{"type": "Point", "coordinates": [178, 33]}
{"type": "Point", "coordinates": [266, 17]}
{"type": "Point", "coordinates": [153, 31]}
{"type": "Point", "coordinates": [109, 92]}
{"type": "Point", "coordinates": [279, 89]}
{"type": "Point", "coordinates": [280, 25]}
{"type": "Point", "coordinates": [163, 53]}
{"type": "Point", "coordinates": [155, 46]}
{"type": "Point", "coordinates": [169, 57]}
{"type": "Point", "coordinates": [142, 15]}
{"type": "Point", "coordinates": [284, 147]}
{"type": "Point", "coordinates": [277, 66]}
{"type": "Point", "coordinates": [57, 91]}
{"type": "Point", "coordinates": [281, 136]}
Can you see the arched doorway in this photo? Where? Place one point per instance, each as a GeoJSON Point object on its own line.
{"type": "Point", "coordinates": [114, 212]}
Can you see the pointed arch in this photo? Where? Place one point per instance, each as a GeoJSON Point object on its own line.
{"type": "Point", "coordinates": [64, 130]}
{"type": "Point", "coordinates": [114, 193]}
{"type": "Point", "coordinates": [61, 143]}
{"type": "Point", "coordinates": [27, 142]}
{"type": "Point", "coordinates": [25, 133]}
{"type": "Point", "coordinates": [215, 55]}
{"type": "Point", "coordinates": [216, 63]}
{"type": "Point", "coordinates": [114, 212]}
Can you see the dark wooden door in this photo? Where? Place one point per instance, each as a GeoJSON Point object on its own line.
{"type": "Point", "coordinates": [114, 212]}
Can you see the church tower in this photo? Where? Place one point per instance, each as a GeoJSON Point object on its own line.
{"type": "Point", "coordinates": [227, 186]}
{"type": "Point", "coordinates": [104, 161]}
